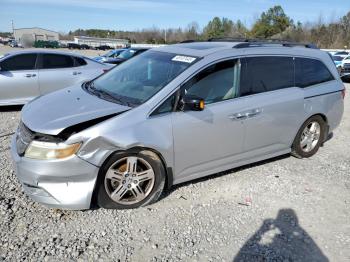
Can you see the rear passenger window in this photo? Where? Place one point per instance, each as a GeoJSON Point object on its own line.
{"type": "Point", "coordinates": [310, 72]}
{"type": "Point", "coordinates": [264, 74]}
{"type": "Point", "coordinates": [19, 62]}
{"type": "Point", "coordinates": [57, 61]}
{"type": "Point", "coordinates": [79, 61]}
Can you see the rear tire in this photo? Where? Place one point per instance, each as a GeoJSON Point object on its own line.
{"type": "Point", "coordinates": [130, 180]}
{"type": "Point", "coordinates": [309, 138]}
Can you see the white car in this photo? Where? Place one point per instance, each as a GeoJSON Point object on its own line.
{"type": "Point", "coordinates": [25, 75]}
{"type": "Point", "coordinates": [345, 66]}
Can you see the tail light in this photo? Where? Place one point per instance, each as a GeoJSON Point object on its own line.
{"type": "Point", "coordinates": [343, 92]}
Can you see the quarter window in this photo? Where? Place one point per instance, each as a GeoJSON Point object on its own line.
{"type": "Point", "coordinates": [19, 62]}
{"type": "Point", "coordinates": [79, 61]}
{"type": "Point", "coordinates": [166, 107]}
{"type": "Point", "coordinates": [216, 83]}
{"type": "Point", "coordinates": [310, 72]}
{"type": "Point", "coordinates": [57, 61]}
{"type": "Point", "coordinates": [264, 74]}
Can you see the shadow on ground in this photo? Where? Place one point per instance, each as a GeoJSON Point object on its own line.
{"type": "Point", "coordinates": [281, 239]}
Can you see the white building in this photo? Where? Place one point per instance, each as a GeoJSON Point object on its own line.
{"type": "Point", "coordinates": [28, 36]}
{"type": "Point", "coordinates": [96, 41]}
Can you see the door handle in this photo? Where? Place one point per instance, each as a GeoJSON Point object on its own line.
{"type": "Point", "coordinates": [238, 116]}
{"type": "Point", "coordinates": [254, 112]}
{"type": "Point", "coordinates": [76, 73]}
{"type": "Point", "coordinates": [30, 75]}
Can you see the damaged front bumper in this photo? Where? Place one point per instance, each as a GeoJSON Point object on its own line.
{"type": "Point", "coordinates": [66, 184]}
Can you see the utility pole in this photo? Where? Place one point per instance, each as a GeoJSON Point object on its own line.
{"type": "Point", "coordinates": [165, 36]}
{"type": "Point", "coordinates": [13, 28]}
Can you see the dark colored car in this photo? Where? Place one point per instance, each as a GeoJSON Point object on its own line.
{"type": "Point", "coordinates": [125, 55]}
{"type": "Point", "coordinates": [84, 46]}
{"type": "Point", "coordinates": [73, 46]}
{"type": "Point", "coordinates": [103, 47]}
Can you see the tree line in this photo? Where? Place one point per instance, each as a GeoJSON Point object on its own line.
{"type": "Point", "coordinates": [273, 23]}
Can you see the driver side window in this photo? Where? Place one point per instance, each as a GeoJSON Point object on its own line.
{"type": "Point", "coordinates": [216, 83]}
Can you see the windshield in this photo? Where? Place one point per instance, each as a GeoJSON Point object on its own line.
{"type": "Point", "coordinates": [127, 54]}
{"type": "Point", "coordinates": [337, 58]}
{"type": "Point", "coordinates": [342, 53]}
{"type": "Point", "coordinates": [109, 54]}
{"type": "Point", "coordinates": [138, 79]}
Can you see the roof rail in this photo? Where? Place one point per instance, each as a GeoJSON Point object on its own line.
{"type": "Point", "coordinates": [189, 41]}
{"type": "Point", "coordinates": [246, 42]}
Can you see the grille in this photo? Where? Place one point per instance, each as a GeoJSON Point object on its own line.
{"type": "Point", "coordinates": [23, 138]}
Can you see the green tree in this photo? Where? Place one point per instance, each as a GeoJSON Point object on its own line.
{"type": "Point", "coordinates": [270, 23]}
{"type": "Point", "coordinates": [218, 28]}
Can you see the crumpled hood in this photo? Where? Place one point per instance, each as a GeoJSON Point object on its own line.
{"type": "Point", "coordinates": [52, 113]}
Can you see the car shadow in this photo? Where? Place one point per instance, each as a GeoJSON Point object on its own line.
{"type": "Point", "coordinates": [220, 174]}
{"type": "Point", "coordinates": [11, 108]}
{"type": "Point", "coordinates": [281, 239]}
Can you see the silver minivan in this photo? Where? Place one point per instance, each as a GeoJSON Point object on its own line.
{"type": "Point", "coordinates": [174, 114]}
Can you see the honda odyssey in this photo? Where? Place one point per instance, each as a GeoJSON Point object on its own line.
{"type": "Point", "coordinates": [174, 114]}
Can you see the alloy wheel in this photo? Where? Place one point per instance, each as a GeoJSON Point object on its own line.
{"type": "Point", "coordinates": [129, 180]}
{"type": "Point", "coordinates": [310, 136]}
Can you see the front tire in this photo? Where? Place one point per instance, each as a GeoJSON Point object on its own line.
{"type": "Point", "coordinates": [309, 138]}
{"type": "Point", "coordinates": [130, 180]}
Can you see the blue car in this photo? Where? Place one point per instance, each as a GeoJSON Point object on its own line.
{"type": "Point", "coordinates": [337, 60]}
{"type": "Point", "coordinates": [109, 55]}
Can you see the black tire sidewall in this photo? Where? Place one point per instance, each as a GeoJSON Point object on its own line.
{"type": "Point", "coordinates": [297, 150]}
{"type": "Point", "coordinates": [103, 199]}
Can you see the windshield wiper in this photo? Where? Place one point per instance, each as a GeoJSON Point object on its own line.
{"type": "Point", "coordinates": [103, 94]}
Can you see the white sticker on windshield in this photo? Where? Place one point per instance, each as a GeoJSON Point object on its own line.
{"type": "Point", "coordinates": [184, 59]}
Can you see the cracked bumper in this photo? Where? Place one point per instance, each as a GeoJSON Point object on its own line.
{"type": "Point", "coordinates": [64, 184]}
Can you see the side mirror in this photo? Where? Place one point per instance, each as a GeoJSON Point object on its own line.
{"type": "Point", "coordinates": [191, 103]}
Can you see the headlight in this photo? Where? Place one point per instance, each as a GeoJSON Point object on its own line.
{"type": "Point", "coordinates": [49, 151]}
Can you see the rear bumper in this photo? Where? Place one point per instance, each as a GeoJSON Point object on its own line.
{"type": "Point", "coordinates": [64, 184]}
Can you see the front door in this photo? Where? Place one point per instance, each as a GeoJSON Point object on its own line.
{"type": "Point", "coordinates": [18, 79]}
{"type": "Point", "coordinates": [209, 141]}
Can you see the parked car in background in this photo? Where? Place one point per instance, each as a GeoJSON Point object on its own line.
{"type": "Point", "coordinates": [337, 60]}
{"type": "Point", "coordinates": [73, 46]}
{"type": "Point", "coordinates": [125, 55]}
{"type": "Point", "coordinates": [25, 75]}
{"type": "Point", "coordinates": [109, 55]}
{"type": "Point", "coordinates": [46, 44]}
{"type": "Point", "coordinates": [84, 46]}
{"type": "Point", "coordinates": [14, 43]}
{"type": "Point", "coordinates": [175, 114]}
{"type": "Point", "coordinates": [345, 68]}
{"type": "Point", "coordinates": [103, 47]}
{"type": "Point", "coordinates": [342, 54]}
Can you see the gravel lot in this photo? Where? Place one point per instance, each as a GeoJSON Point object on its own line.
{"type": "Point", "coordinates": [284, 209]}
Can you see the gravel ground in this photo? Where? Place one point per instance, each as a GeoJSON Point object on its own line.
{"type": "Point", "coordinates": [284, 209]}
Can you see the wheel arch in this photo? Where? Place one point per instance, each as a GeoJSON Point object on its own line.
{"type": "Point", "coordinates": [323, 116]}
{"type": "Point", "coordinates": [150, 152]}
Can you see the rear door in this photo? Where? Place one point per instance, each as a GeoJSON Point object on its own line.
{"type": "Point", "coordinates": [18, 79]}
{"type": "Point", "coordinates": [57, 71]}
{"type": "Point", "coordinates": [273, 106]}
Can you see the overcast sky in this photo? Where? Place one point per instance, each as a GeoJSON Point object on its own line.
{"type": "Point", "coordinates": [65, 15]}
